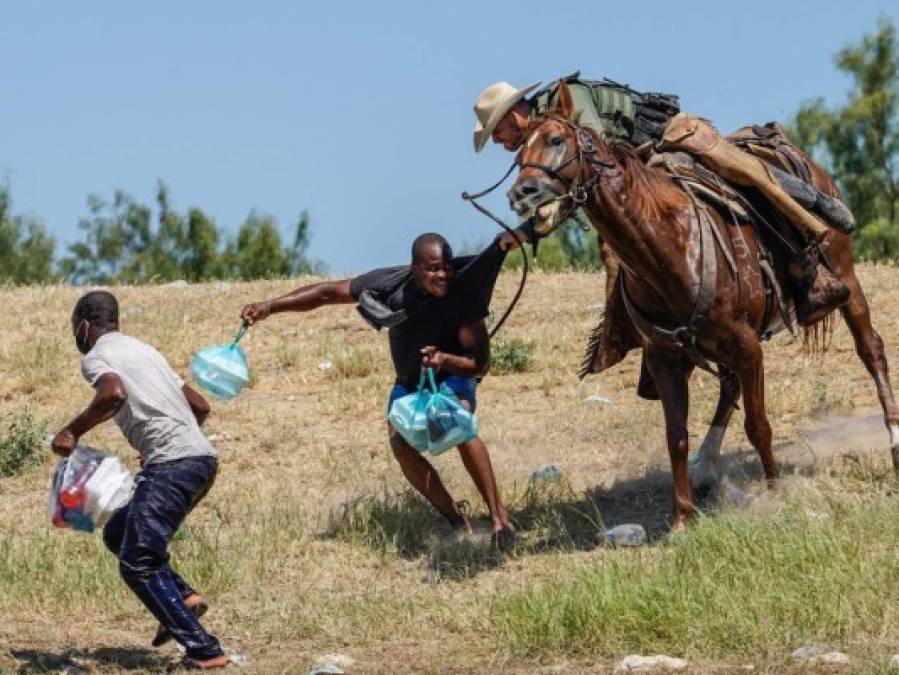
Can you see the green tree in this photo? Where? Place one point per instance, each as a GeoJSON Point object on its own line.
{"type": "Point", "coordinates": [569, 248]}
{"type": "Point", "coordinates": [256, 252]}
{"type": "Point", "coordinates": [203, 260]}
{"type": "Point", "coordinates": [859, 141]}
{"type": "Point", "coordinates": [116, 236]}
{"type": "Point", "coordinates": [121, 243]}
{"type": "Point", "coordinates": [164, 257]}
{"type": "Point", "coordinates": [26, 250]}
{"type": "Point", "coordinates": [297, 260]}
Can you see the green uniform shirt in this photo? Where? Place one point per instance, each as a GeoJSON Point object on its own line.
{"type": "Point", "coordinates": [606, 109]}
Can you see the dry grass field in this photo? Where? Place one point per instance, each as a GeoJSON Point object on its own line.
{"type": "Point", "coordinates": [309, 543]}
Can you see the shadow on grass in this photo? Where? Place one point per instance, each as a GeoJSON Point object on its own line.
{"type": "Point", "coordinates": [77, 661]}
{"type": "Point", "coordinates": [549, 517]}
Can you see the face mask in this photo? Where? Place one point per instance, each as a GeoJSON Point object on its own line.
{"type": "Point", "coordinates": [81, 337]}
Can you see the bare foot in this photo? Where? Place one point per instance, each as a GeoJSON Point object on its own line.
{"type": "Point", "coordinates": [188, 663]}
{"type": "Point", "coordinates": [193, 600]}
{"type": "Point", "coordinates": [503, 539]}
{"type": "Point", "coordinates": [217, 662]}
{"type": "Point", "coordinates": [195, 603]}
{"type": "Point", "coordinates": [463, 524]}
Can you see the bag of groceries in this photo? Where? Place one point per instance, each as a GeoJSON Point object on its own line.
{"type": "Point", "coordinates": [86, 488]}
{"type": "Point", "coordinates": [432, 419]}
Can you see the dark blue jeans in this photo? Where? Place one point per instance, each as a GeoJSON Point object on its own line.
{"type": "Point", "coordinates": [139, 534]}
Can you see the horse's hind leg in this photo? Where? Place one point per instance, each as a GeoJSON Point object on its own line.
{"type": "Point", "coordinates": [869, 347]}
{"type": "Point", "coordinates": [704, 473]}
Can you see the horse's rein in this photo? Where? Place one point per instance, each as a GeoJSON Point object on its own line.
{"type": "Point", "coordinates": [524, 256]}
{"type": "Point", "coordinates": [578, 191]}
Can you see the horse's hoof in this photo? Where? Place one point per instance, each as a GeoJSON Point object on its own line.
{"type": "Point", "coordinates": [705, 490]}
{"type": "Point", "coordinates": [894, 451]}
{"type": "Point", "coordinates": [678, 527]}
{"type": "Point", "coordinates": [704, 480]}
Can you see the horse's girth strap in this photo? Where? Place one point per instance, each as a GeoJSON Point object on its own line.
{"type": "Point", "coordinates": [684, 337]}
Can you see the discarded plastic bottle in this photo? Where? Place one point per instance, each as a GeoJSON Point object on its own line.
{"type": "Point", "coordinates": [547, 473]}
{"type": "Point", "coordinates": [73, 496]}
{"type": "Point", "coordinates": [628, 534]}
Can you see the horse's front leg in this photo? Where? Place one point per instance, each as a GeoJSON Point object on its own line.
{"type": "Point", "coordinates": [704, 471]}
{"type": "Point", "coordinates": [749, 364]}
{"type": "Point", "coordinates": [670, 371]}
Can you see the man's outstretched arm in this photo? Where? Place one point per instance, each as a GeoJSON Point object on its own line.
{"type": "Point", "coordinates": [110, 396]}
{"type": "Point", "coordinates": [302, 299]}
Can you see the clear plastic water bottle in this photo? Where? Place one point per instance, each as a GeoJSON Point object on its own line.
{"type": "Point", "coordinates": [547, 473]}
{"type": "Point", "coordinates": [72, 496]}
{"type": "Point", "coordinates": [628, 534]}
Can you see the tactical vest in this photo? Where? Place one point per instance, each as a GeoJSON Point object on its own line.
{"type": "Point", "coordinates": [619, 113]}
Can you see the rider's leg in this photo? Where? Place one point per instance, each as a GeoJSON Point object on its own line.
{"type": "Point", "coordinates": [817, 290]}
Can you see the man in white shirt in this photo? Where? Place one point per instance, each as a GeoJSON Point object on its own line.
{"type": "Point", "coordinates": [161, 417]}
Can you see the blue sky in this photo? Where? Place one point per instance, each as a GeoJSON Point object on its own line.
{"type": "Point", "coordinates": [359, 111]}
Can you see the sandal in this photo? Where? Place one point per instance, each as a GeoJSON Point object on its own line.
{"type": "Point", "coordinates": [162, 634]}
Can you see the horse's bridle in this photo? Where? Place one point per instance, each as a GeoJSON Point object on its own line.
{"type": "Point", "coordinates": [577, 190]}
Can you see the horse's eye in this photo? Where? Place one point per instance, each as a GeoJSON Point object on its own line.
{"type": "Point", "coordinates": [556, 141]}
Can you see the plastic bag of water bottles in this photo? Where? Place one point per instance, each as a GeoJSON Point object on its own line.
{"type": "Point", "coordinates": [222, 371]}
{"type": "Point", "coordinates": [432, 419]}
{"type": "Point", "coordinates": [86, 488]}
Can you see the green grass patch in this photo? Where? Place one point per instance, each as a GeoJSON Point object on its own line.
{"type": "Point", "coordinates": [21, 440]}
{"type": "Point", "coordinates": [511, 356]}
{"type": "Point", "coordinates": [819, 569]}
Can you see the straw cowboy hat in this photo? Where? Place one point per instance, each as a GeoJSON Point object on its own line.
{"type": "Point", "coordinates": [492, 105]}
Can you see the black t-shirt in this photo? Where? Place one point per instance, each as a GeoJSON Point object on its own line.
{"type": "Point", "coordinates": [432, 321]}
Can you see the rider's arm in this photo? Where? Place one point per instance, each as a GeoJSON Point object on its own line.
{"type": "Point", "coordinates": [302, 299]}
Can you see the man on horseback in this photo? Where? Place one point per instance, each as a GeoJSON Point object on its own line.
{"type": "Point", "coordinates": [651, 122]}
{"type": "Point", "coordinates": [697, 280]}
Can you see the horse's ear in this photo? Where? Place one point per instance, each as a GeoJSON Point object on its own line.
{"type": "Point", "coordinates": [565, 106]}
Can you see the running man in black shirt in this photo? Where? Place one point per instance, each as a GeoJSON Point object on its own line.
{"type": "Point", "coordinates": [435, 309]}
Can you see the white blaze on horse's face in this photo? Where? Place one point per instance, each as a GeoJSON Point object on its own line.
{"type": "Point", "coordinates": [545, 150]}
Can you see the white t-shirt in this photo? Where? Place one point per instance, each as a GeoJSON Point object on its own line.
{"type": "Point", "coordinates": [156, 419]}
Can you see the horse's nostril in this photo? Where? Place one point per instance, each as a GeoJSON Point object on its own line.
{"type": "Point", "coordinates": [529, 189]}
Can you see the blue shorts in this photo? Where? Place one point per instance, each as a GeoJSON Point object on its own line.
{"type": "Point", "coordinates": [463, 387]}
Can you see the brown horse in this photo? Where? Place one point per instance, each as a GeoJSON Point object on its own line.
{"type": "Point", "coordinates": [686, 302]}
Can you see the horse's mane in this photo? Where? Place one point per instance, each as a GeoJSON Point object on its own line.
{"type": "Point", "coordinates": [653, 195]}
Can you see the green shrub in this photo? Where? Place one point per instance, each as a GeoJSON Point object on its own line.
{"type": "Point", "coordinates": [511, 356]}
{"type": "Point", "coordinates": [20, 444]}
